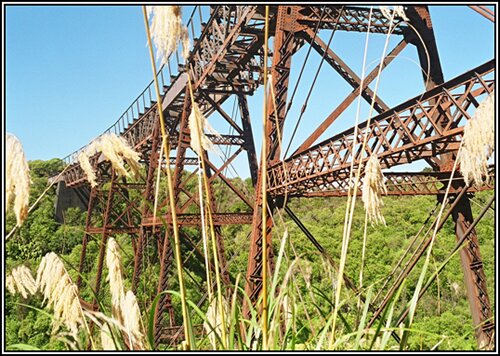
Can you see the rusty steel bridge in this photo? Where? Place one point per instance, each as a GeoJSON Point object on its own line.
{"type": "Point", "coordinates": [226, 62]}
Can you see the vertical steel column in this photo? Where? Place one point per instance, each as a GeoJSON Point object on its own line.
{"type": "Point", "coordinates": [475, 279]}
{"type": "Point", "coordinates": [102, 248]}
{"type": "Point", "coordinates": [217, 230]}
{"type": "Point", "coordinates": [92, 201]}
{"type": "Point", "coordinates": [166, 255]}
{"type": "Point", "coordinates": [285, 45]}
{"type": "Point", "coordinates": [165, 302]}
{"type": "Point", "coordinates": [148, 197]}
{"type": "Point", "coordinates": [104, 236]}
{"type": "Point", "coordinates": [248, 137]}
{"type": "Point", "coordinates": [183, 142]}
{"type": "Point", "coordinates": [472, 266]}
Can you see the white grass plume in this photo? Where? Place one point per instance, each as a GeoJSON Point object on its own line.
{"type": "Point", "coordinates": [115, 276]}
{"type": "Point", "coordinates": [287, 310]}
{"type": "Point", "coordinates": [478, 143]}
{"type": "Point", "coordinates": [55, 283]}
{"type": "Point", "coordinates": [48, 274]}
{"type": "Point", "coordinates": [198, 125]}
{"type": "Point", "coordinates": [132, 321]}
{"type": "Point", "coordinates": [213, 324]}
{"type": "Point", "coordinates": [186, 44]}
{"type": "Point", "coordinates": [124, 305]}
{"type": "Point", "coordinates": [131, 331]}
{"type": "Point", "coordinates": [373, 186]}
{"type": "Point", "coordinates": [106, 339]}
{"type": "Point", "coordinates": [117, 150]}
{"type": "Point", "coordinates": [23, 281]}
{"type": "Point", "coordinates": [84, 160]}
{"type": "Point", "coordinates": [10, 284]}
{"type": "Point", "coordinates": [101, 319]}
{"type": "Point", "coordinates": [166, 29]}
{"type": "Point", "coordinates": [17, 180]}
{"type": "Point", "coordinates": [398, 12]}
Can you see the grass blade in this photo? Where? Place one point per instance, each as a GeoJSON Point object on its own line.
{"type": "Point", "coordinates": [363, 318]}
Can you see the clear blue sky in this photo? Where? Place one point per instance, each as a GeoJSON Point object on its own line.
{"type": "Point", "coordinates": [72, 70]}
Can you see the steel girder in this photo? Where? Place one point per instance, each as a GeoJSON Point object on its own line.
{"type": "Point", "coordinates": [224, 62]}
{"type": "Point", "coordinates": [402, 183]}
{"type": "Point", "coordinates": [349, 18]}
{"type": "Point", "coordinates": [472, 267]}
{"type": "Point", "coordinates": [111, 211]}
{"type": "Point", "coordinates": [143, 134]}
{"type": "Point", "coordinates": [404, 134]}
{"type": "Point", "coordinates": [285, 45]}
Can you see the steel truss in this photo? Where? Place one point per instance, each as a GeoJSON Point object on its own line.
{"type": "Point", "coordinates": [226, 62]}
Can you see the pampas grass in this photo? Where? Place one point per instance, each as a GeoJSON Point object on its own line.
{"type": "Point", "coordinates": [373, 186]}
{"type": "Point", "coordinates": [214, 323]}
{"type": "Point", "coordinates": [22, 281]}
{"type": "Point", "coordinates": [124, 305]}
{"type": "Point", "coordinates": [10, 284]}
{"type": "Point", "coordinates": [84, 160]}
{"type": "Point", "coordinates": [115, 278]}
{"type": "Point", "coordinates": [186, 44]}
{"type": "Point", "coordinates": [106, 339]}
{"type": "Point", "coordinates": [478, 143]}
{"type": "Point", "coordinates": [115, 149]}
{"type": "Point", "coordinates": [162, 32]}
{"type": "Point", "coordinates": [166, 29]}
{"type": "Point", "coordinates": [60, 292]}
{"type": "Point", "coordinates": [132, 321]}
{"type": "Point", "coordinates": [287, 310]}
{"type": "Point", "coordinates": [398, 12]}
{"type": "Point", "coordinates": [17, 182]}
{"type": "Point", "coordinates": [198, 125]}
{"type": "Point", "coordinates": [48, 273]}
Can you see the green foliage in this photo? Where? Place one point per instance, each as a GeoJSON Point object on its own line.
{"type": "Point", "coordinates": [442, 317]}
{"type": "Point", "coordinates": [39, 234]}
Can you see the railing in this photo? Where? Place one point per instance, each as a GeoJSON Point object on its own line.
{"type": "Point", "coordinates": [147, 98]}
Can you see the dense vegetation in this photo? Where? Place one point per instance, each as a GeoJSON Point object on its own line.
{"type": "Point", "coordinates": [443, 316]}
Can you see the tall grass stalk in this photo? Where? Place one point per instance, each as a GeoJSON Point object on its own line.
{"type": "Point", "coordinates": [166, 144]}
{"type": "Point", "coordinates": [196, 117]}
{"type": "Point", "coordinates": [363, 251]}
{"type": "Point", "coordinates": [363, 318]}
{"type": "Point", "coordinates": [414, 300]}
{"type": "Point", "coordinates": [199, 142]}
{"type": "Point", "coordinates": [349, 196]}
{"type": "Point", "coordinates": [263, 176]}
{"type": "Point", "coordinates": [158, 174]}
{"type": "Point", "coordinates": [306, 276]}
{"type": "Point", "coordinates": [204, 232]}
{"type": "Point", "coordinates": [405, 253]}
{"type": "Point", "coordinates": [386, 334]}
{"type": "Point", "coordinates": [234, 315]}
{"type": "Point", "coordinates": [352, 201]}
{"type": "Point", "coordinates": [458, 246]}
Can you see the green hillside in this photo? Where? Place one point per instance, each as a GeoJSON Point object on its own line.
{"type": "Point", "coordinates": [442, 321]}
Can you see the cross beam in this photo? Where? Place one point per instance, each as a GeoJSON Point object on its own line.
{"type": "Point", "coordinates": [404, 134]}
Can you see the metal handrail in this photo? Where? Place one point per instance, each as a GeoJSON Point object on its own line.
{"type": "Point", "coordinates": [140, 105]}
